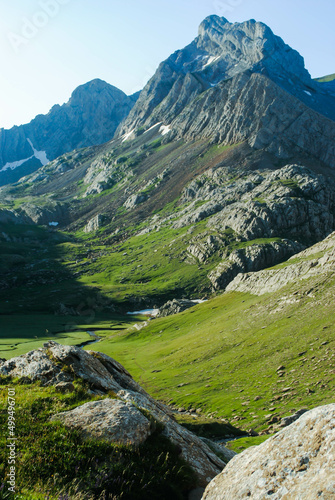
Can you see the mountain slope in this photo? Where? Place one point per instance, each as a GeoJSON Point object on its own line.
{"type": "Point", "coordinates": [326, 79]}
{"type": "Point", "coordinates": [225, 170]}
{"type": "Point", "coordinates": [251, 107]}
{"type": "Point", "coordinates": [90, 117]}
{"type": "Point", "coordinates": [239, 82]}
{"type": "Point", "coordinates": [237, 181]}
{"type": "Point", "coordinates": [220, 52]}
{"type": "Point", "coordinates": [250, 359]}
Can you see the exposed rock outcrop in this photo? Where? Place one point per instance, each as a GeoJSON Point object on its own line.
{"type": "Point", "coordinates": [135, 200]}
{"type": "Point", "coordinates": [291, 202]}
{"type": "Point", "coordinates": [52, 214]}
{"type": "Point", "coordinates": [298, 462]}
{"type": "Point", "coordinates": [11, 217]}
{"type": "Point", "coordinates": [104, 172]}
{"type": "Point", "coordinates": [94, 224]}
{"type": "Point", "coordinates": [252, 258]}
{"type": "Point", "coordinates": [55, 363]}
{"type": "Point", "coordinates": [317, 260]}
{"type": "Point", "coordinates": [174, 306]}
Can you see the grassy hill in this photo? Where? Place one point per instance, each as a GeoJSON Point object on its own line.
{"type": "Point", "coordinates": [324, 79]}
{"type": "Point", "coordinates": [223, 356]}
{"type": "Point", "coordinates": [237, 358]}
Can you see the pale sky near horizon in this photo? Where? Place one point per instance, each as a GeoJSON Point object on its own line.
{"type": "Point", "coordinates": [49, 47]}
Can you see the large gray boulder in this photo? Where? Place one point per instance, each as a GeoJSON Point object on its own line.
{"type": "Point", "coordinates": [55, 363]}
{"type": "Point", "coordinates": [296, 463]}
{"type": "Point", "coordinates": [174, 306]}
{"type": "Point", "coordinates": [109, 420]}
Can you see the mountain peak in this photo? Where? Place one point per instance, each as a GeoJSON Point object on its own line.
{"type": "Point", "coordinates": [211, 23]}
{"type": "Point", "coordinates": [94, 87]}
{"type": "Point", "coordinates": [90, 117]}
{"type": "Point", "coordinates": [221, 51]}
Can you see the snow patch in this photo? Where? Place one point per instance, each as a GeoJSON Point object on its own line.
{"type": "Point", "coordinates": [15, 164]}
{"type": "Point", "coordinates": [308, 93]}
{"type": "Point", "coordinates": [126, 136]}
{"type": "Point", "coordinates": [165, 129]}
{"type": "Point", "coordinates": [199, 57]}
{"type": "Point", "coordinates": [39, 155]}
{"type": "Point", "coordinates": [53, 224]}
{"type": "Point", "coordinates": [211, 60]}
{"type": "Point", "coordinates": [156, 124]}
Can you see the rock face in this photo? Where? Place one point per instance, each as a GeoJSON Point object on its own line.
{"type": "Point", "coordinates": [135, 200]}
{"type": "Point", "coordinates": [253, 108]}
{"type": "Point", "coordinates": [315, 261]}
{"type": "Point", "coordinates": [11, 217]}
{"type": "Point", "coordinates": [90, 117]}
{"type": "Point", "coordinates": [55, 363]}
{"type": "Point", "coordinates": [109, 419]}
{"type": "Point", "coordinates": [239, 82]}
{"type": "Point", "coordinates": [252, 258]}
{"type": "Point", "coordinates": [292, 202]}
{"type": "Point", "coordinates": [54, 213]}
{"type": "Point", "coordinates": [174, 306]}
{"type": "Point", "coordinates": [298, 462]}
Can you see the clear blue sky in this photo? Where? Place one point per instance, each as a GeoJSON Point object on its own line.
{"type": "Point", "coordinates": [123, 42]}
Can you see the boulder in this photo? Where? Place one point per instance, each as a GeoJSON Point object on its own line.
{"type": "Point", "coordinates": [94, 224]}
{"type": "Point", "coordinates": [174, 306]}
{"type": "Point", "coordinates": [110, 420]}
{"type": "Point", "coordinates": [298, 462]}
{"type": "Point", "coordinates": [55, 363]}
{"type": "Point", "coordinates": [292, 418]}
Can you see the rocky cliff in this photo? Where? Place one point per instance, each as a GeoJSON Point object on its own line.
{"type": "Point", "coordinates": [235, 82]}
{"type": "Point", "coordinates": [90, 117]}
{"type": "Point", "coordinates": [318, 260]}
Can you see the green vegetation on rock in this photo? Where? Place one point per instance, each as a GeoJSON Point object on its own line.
{"type": "Point", "coordinates": [57, 462]}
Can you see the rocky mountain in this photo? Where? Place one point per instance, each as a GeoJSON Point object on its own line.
{"type": "Point", "coordinates": [239, 82]}
{"type": "Point", "coordinates": [90, 117]}
{"type": "Point", "coordinates": [213, 192]}
{"type": "Point", "coordinates": [225, 154]}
